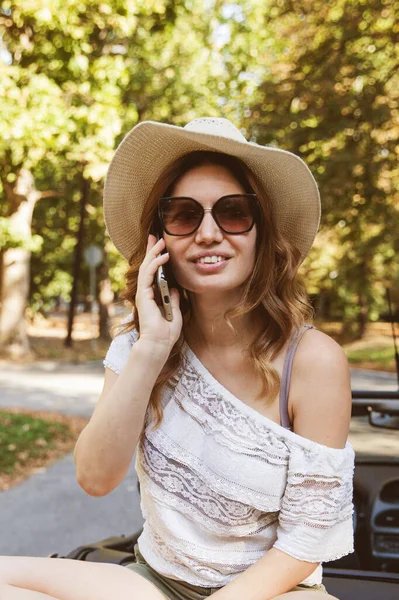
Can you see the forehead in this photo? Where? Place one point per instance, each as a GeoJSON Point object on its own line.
{"type": "Point", "coordinates": [207, 181]}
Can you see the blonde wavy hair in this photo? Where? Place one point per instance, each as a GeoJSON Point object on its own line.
{"type": "Point", "coordinates": [272, 290]}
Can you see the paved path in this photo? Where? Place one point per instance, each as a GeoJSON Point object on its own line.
{"type": "Point", "coordinates": [69, 389]}
{"type": "Point", "coordinates": [74, 389]}
{"type": "Point", "coordinates": [49, 512]}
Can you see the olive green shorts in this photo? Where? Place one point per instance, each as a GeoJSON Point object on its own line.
{"type": "Point", "coordinates": [173, 589]}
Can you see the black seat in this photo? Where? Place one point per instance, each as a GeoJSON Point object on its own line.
{"type": "Point", "coordinates": [361, 585]}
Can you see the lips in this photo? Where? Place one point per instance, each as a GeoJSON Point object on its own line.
{"type": "Point", "coordinates": [211, 267]}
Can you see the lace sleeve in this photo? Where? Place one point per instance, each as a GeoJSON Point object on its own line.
{"type": "Point", "coordinates": [315, 520]}
{"type": "Point", "coordinates": [119, 350]}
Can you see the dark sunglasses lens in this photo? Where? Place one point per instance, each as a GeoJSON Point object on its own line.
{"type": "Point", "coordinates": [235, 213]}
{"type": "Point", "coordinates": [180, 216]}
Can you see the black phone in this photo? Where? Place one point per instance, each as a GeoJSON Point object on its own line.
{"type": "Point", "coordinates": [163, 289]}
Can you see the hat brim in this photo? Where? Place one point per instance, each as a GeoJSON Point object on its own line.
{"type": "Point", "coordinates": [150, 147]}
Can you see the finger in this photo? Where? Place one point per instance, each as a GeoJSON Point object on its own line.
{"type": "Point", "coordinates": [151, 241]}
{"type": "Point", "coordinates": [175, 298]}
{"type": "Point", "coordinates": [151, 253]}
{"type": "Point", "coordinates": [148, 273]}
{"type": "Point", "coordinates": [155, 247]}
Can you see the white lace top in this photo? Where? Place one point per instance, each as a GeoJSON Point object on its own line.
{"type": "Point", "coordinates": [221, 484]}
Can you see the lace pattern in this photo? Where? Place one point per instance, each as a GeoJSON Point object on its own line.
{"type": "Point", "coordinates": [177, 563]}
{"type": "Point", "coordinates": [195, 396]}
{"type": "Point", "coordinates": [221, 483]}
{"type": "Point", "coordinates": [317, 506]}
{"type": "Point", "coordinates": [174, 484]}
{"type": "Point", "coordinates": [208, 569]}
{"type": "Point", "coordinates": [223, 471]}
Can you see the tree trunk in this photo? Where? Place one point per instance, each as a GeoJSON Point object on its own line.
{"type": "Point", "coordinates": [363, 315]}
{"type": "Point", "coordinates": [322, 303]}
{"type": "Point", "coordinates": [362, 318]}
{"type": "Point", "coordinates": [77, 261]}
{"type": "Point", "coordinates": [15, 265]}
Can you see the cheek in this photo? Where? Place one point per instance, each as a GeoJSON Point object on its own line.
{"type": "Point", "coordinates": [176, 253]}
{"type": "Point", "coordinates": [251, 261]}
{"type": "Point", "coordinates": [251, 255]}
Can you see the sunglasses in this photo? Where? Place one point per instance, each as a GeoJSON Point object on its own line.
{"type": "Point", "coordinates": [234, 214]}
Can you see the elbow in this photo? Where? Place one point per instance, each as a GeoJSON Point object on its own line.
{"type": "Point", "coordinates": [86, 476]}
{"type": "Point", "coordinates": [90, 487]}
{"type": "Point", "coordinates": [94, 477]}
{"type": "Point", "coordinates": [92, 482]}
{"type": "Point", "coordinates": [93, 486]}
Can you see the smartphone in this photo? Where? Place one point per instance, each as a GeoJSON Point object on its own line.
{"type": "Point", "coordinates": [163, 288]}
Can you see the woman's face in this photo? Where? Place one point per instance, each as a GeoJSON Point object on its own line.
{"type": "Point", "coordinates": [206, 184]}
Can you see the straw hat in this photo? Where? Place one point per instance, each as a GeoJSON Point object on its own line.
{"type": "Point", "coordinates": [150, 147]}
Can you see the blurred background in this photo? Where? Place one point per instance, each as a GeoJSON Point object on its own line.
{"type": "Point", "coordinates": [318, 78]}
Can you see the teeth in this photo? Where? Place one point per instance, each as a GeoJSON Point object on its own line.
{"type": "Point", "coordinates": [211, 259]}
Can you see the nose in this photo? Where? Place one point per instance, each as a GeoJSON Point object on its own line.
{"type": "Point", "coordinates": [208, 231]}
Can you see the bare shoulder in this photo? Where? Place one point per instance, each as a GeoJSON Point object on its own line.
{"type": "Point", "coordinates": [319, 345]}
{"type": "Point", "coordinates": [320, 397]}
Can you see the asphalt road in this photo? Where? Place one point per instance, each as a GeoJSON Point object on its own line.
{"type": "Point", "coordinates": [49, 512]}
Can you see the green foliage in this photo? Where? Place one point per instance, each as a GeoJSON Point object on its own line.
{"type": "Point", "coordinates": [80, 76]}
{"type": "Point", "coordinates": [10, 237]}
{"type": "Point", "coordinates": [329, 92]}
{"type": "Point", "coordinates": [317, 78]}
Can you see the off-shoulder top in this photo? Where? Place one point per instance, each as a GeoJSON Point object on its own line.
{"type": "Point", "coordinates": [221, 483]}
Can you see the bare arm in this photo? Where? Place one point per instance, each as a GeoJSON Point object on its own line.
{"type": "Point", "coordinates": [105, 447]}
{"type": "Point", "coordinates": [272, 575]}
{"type": "Point", "coordinates": [321, 400]}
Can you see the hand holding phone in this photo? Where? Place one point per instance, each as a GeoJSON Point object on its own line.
{"type": "Point", "coordinates": [164, 293]}
{"type": "Point", "coordinates": [157, 329]}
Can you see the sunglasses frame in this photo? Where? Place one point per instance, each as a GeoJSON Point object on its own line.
{"type": "Point", "coordinates": [255, 214]}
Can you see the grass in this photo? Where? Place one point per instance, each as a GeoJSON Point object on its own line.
{"type": "Point", "coordinates": [382, 355]}
{"type": "Point", "coordinates": [31, 440]}
{"type": "Point", "coordinates": [23, 437]}
{"type": "Point", "coordinates": [377, 358]}
{"type": "Point", "coordinates": [375, 350]}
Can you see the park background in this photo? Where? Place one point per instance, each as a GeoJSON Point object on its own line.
{"type": "Point", "coordinates": [318, 78]}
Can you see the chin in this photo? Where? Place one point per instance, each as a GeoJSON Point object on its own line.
{"type": "Point", "coordinates": [211, 283]}
{"type": "Point", "coordinates": [212, 287]}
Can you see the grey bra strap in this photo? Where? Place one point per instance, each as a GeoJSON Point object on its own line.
{"type": "Point", "coordinates": [286, 376]}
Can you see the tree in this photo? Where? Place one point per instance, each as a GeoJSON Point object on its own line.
{"type": "Point", "coordinates": [325, 86]}
{"type": "Point", "coordinates": [26, 103]}
{"type": "Point", "coordinates": [97, 67]}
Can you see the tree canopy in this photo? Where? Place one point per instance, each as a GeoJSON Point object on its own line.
{"type": "Point", "coordinates": [317, 78]}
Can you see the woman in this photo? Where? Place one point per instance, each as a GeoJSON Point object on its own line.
{"type": "Point", "coordinates": [246, 484]}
